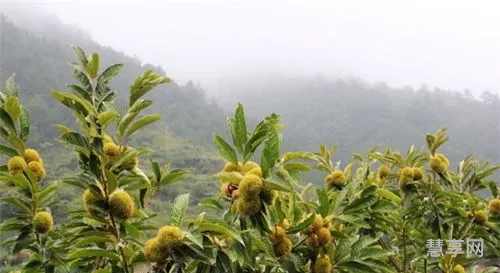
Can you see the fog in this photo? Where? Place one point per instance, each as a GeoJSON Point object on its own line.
{"type": "Point", "coordinates": [449, 44]}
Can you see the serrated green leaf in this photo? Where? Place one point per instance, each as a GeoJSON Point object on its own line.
{"type": "Point", "coordinates": [179, 209]}
{"type": "Point", "coordinates": [7, 120]}
{"type": "Point", "coordinates": [342, 250]}
{"type": "Point", "coordinates": [47, 193]}
{"type": "Point", "coordinates": [383, 206]}
{"type": "Point", "coordinates": [107, 75]}
{"type": "Point", "coordinates": [277, 182]}
{"type": "Point", "coordinates": [12, 224]}
{"type": "Point", "coordinates": [231, 127]}
{"type": "Point", "coordinates": [125, 158]}
{"type": "Point", "coordinates": [15, 201]}
{"type": "Point", "coordinates": [240, 128]}
{"type": "Point", "coordinates": [369, 190]}
{"type": "Point", "coordinates": [111, 180]}
{"type": "Point", "coordinates": [84, 241]}
{"type": "Point", "coordinates": [356, 266]}
{"type": "Point", "coordinates": [15, 141]}
{"type": "Point", "coordinates": [299, 155]}
{"type": "Point", "coordinates": [198, 254]}
{"type": "Point", "coordinates": [225, 150]}
{"type": "Point", "coordinates": [132, 112]}
{"type": "Point", "coordinates": [372, 252]}
{"type": "Point", "coordinates": [258, 242]}
{"type": "Point", "coordinates": [156, 170]}
{"type": "Point", "coordinates": [141, 122]}
{"type": "Point", "coordinates": [82, 93]}
{"type": "Point", "coordinates": [132, 230]}
{"type": "Point", "coordinates": [388, 195]}
{"type": "Point", "coordinates": [258, 136]}
{"type": "Point", "coordinates": [13, 108]}
{"type": "Point", "coordinates": [76, 181]}
{"type": "Point", "coordinates": [270, 153]}
{"type": "Point", "coordinates": [106, 117]}
{"type": "Point", "coordinates": [34, 265]}
{"type": "Point", "coordinates": [76, 140]}
{"type": "Point", "coordinates": [24, 124]}
{"type": "Point", "coordinates": [63, 129]}
{"type": "Point", "coordinates": [211, 203]}
{"type": "Point", "coordinates": [174, 175]}
{"type": "Point", "coordinates": [362, 243]}
{"type": "Point", "coordinates": [92, 252]}
{"type": "Point", "coordinates": [145, 83]}
{"type": "Point", "coordinates": [220, 228]}
{"type": "Point", "coordinates": [296, 166]}
{"type": "Point", "coordinates": [80, 54]}
{"type": "Point", "coordinates": [82, 78]}
{"type": "Point", "coordinates": [77, 104]}
{"type": "Point", "coordinates": [493, 188]}
{"type": "Point", "coordinates": [137, 185]}
{"type": "Point", "coordinates": [19, 180]}
{"type": "Point", "coordinates": [360, 203]}
{"type": "Point", "coordinates": [194, 235]}
{"type": "Point", "coordinates": [229, 177]}
{"type": "Point", "coordinates": [324, 203]}
{"type": "Point", "coordinates": [11, 87]}
{"type": "Point", "coordinates": [303, 224]}
{"type": "Point", "coordinates": [8, 151]}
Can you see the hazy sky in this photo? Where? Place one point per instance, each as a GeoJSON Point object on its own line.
{"type": "Point", "coordinates": [450, 44]}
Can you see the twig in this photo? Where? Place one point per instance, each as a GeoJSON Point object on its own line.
{"type": "Point", "coordinates": [117, 234]}
{"type": "Point", "coordinates": [393, 261]}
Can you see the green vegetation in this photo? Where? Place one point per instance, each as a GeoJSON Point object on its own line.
{"type": "Point", "coordinates": [109, 206]}
{"type": "Point", "coordinates": [177, 138]}
{"type": "Point", "coordinates": [377, 218]}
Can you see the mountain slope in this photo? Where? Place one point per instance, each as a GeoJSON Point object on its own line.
{"type": "Point", "coordinates": [360, 115]}
{"type": "Point", "coordinates": [41, 63]}
{"type": "Point", "coordinates": [182, 136]}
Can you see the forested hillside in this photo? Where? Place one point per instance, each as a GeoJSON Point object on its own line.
{"type": "Point", "coordinates": [41, 63]}
{"type": "Point", "coordinates": [188, 116]}
{"type": "Point", "coordinates": [360, 115]}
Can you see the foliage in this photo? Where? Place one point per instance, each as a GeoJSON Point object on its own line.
{"type": "Point", "coordinates": [30, 224]}
{"type": "Point", "coordinates": [373, 214]}
{"type": "Point", "coordinates": [111, 175]}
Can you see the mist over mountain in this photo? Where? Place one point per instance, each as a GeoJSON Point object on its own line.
{"type": "Point", "coordinates": [40, 61]}
{"type": "Point", "coordinates": [46, 25]}
{"type": "Point", "coordinates": [360, 115]}
{"type": "Point", "coordinates": [445, 44]}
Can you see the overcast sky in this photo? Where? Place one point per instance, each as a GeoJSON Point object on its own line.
{"type": "Point", "coordinates": [450, 44]}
